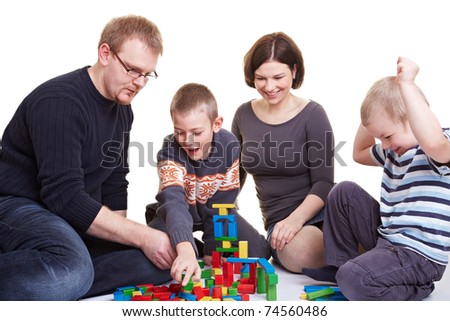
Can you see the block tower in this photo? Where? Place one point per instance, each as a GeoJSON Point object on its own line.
{"type": "Point", "coordinates": [257, 274]}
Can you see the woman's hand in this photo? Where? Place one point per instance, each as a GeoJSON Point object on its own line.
{"type": "Point", "coordinates": [283, 232]}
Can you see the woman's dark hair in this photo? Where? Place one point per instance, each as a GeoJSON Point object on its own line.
{"type": "Point", "coordinates": [278, 47]}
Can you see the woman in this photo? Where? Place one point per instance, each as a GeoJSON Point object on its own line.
{"type": "Point", "coordinates": [287, 146]}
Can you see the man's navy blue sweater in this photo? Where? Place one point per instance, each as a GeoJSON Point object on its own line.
{"type": "Point", "coordinates": [66, 147]}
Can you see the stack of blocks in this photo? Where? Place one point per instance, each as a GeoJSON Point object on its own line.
{"type": "Point", "coordinates": [322, 293]}
{"type": "Point", "coordinates": [257, 275]}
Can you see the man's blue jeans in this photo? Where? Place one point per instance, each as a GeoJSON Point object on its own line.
{"type": "Point", "coordinates": [43, 258]}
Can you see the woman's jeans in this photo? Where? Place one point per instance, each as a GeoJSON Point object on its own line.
{"type": "Point", "coordinates": [43, 258]}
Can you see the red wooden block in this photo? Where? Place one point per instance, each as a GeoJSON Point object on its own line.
{"type": "Point", "coordinates": [228, 275]}
{"type": "Point", "coordinates": [161, 288]}
{"type": "Point", "coordinates": [246, 288]}
{"type": "Point", "coordinates": [198, 291]}
{"type": "Point", "coordinates": [216, 259]}
{"type": "Point", "coordinates": [142, 298]}
{"type": "Point", "coordinates": [146, 287]}
{"type": "Point", "coordinates": [217, 292]}
{"type": "Point", "coordinates": [162, 296]}
{"type": "Point", "coordinates": [252, 276]}
{"type": "Point", "coordinates": [218, 280]}
{"type": "Point", "coordinates": [245, 281]}
{"type": "Point", "coordinates": [245, 297]}
{"type": "Point", "coordinates": [237, 267]}
{"type": "Point", "coordinates": [175, 288]}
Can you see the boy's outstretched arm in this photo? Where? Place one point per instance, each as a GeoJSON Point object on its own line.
{"type": "Point", "coordinates": [186, 263]}
{"type": "Point", "coordinates": [424, 124]}
{"type": "Point", "coordinates": [361, 147]}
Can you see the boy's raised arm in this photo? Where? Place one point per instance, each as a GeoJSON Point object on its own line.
{"type": "Point", "coordinates": [424, 124]}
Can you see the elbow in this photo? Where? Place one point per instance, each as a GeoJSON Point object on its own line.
{"type": "Point", "coordinates": [356, 157]}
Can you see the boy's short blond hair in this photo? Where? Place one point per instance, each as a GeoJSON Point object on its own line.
{"type": "Point", "coordinates": [191, 96]}
{"type": "Point", "coordinates": [384, 95]}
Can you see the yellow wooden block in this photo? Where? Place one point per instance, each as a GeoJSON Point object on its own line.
{"type": "Point", "coordinates": [223, 208]}
{"type": "Point", "coordinates": [243, 249]}
{"type": "Point", "coordinates": [206, 298]}
{"type": "Point", "coordinates": [216, 271]}
{"type": "Point", "coordinates": [226, 244]}
{"type": "Point", "coordinates": [136, 293]}
{"type": "Point", "coordinates": [224, 290]}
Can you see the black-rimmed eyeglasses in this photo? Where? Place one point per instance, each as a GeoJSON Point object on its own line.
{"type": "Point", "coordinates": [132, 73]}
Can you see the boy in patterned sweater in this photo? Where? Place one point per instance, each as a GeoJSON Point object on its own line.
{"type": "Point", "coordinates": [198, 166]}
{"type": "Point", "coordinates": [405, 236]}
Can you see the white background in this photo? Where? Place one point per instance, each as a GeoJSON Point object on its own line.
{"type": "Point", "coordinates": [347, 45]}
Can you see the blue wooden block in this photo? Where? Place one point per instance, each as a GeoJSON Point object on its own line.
{"type": "Point", "coordinates": [266, 265]}
{"type": "Point", "coordinates": [242, 260]}
{"type": "Point", "coordinates": [232, 229]}
{"type": "Point", "coordinates": [187, 296]}
{"type": "Point", "coordinates": [218, 229]}
{"type": "Point", "coordinates": [229, 218]}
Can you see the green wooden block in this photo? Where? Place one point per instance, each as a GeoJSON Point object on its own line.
{"type": "Point", "coordinates": [271, 294]}
{"type": "Point", "coordinates": [226, 238]}
{"type": "Point", "coordinates": [227, 249]}
{"type": "Point", "coordinates": [209, 283]}
{"type": "Point", "coordinates": [232, 291]}
{"type": "Point", "coordinates": [272, 278]}
{"type": "Point", "coordinates": [129, 291]}
{"type": "Point", "coordinates": [189, 286]}
{"type": "Point", "coordinates": [261, 280]}
{"type": "Point", "coordinates": [318, 294]}
{"type": "Point", "coordinates": [206, 274]}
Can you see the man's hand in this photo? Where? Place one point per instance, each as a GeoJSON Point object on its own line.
{"type": "Point", "coordinates": [158, 249]}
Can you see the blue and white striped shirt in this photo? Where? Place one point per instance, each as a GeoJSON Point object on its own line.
{"type": "Point", "coordinates": [415, 202]}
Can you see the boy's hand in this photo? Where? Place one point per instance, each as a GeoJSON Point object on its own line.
{"type": "Point", "coordinates": [186, 263]}
{"type": "Point", "coordinates": [406, 70]}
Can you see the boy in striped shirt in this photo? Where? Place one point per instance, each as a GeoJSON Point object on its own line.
{"type": "Point", "coordinates": [397, 248]}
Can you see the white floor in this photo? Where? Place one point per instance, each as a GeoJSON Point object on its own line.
{"type": "Point", "coordinates": [290, 286]}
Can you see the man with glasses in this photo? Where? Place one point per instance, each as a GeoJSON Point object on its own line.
{"type": "Point", "coordinates": [64, 234]}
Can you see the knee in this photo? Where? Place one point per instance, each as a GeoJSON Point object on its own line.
{"type": "Point", "coordinates": [80, 279]}
{"type": "Point", "coordinates": [343, 188]}
{"type": "Point", "coordinates": [70, 279]}
{"type": "Point", "coordinates": [352, 280]}
{"type": "Point", "coordinates": [53, 278]}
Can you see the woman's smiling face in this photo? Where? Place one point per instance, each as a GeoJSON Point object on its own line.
{"type": "Point", "coordinates": [273, 81]}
